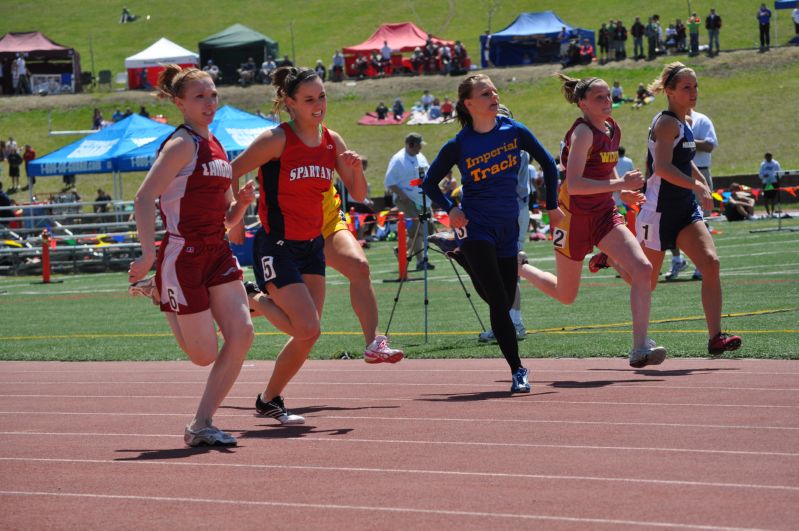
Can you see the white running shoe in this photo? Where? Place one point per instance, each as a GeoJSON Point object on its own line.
{"type": "Point", "coordinates": [208, 436]}
{"type": "Point", "coordinates": [641, 357]}
{"type": "Point", "coordinates": [486, 337]}
{"type": "Point", "coordinates": [378, 351]}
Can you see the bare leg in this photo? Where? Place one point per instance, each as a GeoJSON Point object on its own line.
{"type": "Point", "coordinates": [621, 246]}
{"type": "Point", "coordinates": [196, 334]}
{"type": "Point", "coordinates": [303, 305]}
{"type": "Point", "coordinates": [344, 254]}
{"type": "Point", "coordinates": [564, 286]}
{"type": "Point", "coordinates": [696, 242]}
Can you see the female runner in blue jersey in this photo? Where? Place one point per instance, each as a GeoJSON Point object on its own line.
{"type": "Point", "coordinates": [487, 153]}
{"type": "Point", "coordinates": [671, 217]}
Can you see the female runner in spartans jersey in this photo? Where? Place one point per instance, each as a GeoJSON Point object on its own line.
{"type": "Point", "coordinates": [671, 217]}
{"type": "Point", "coordinates": [297, 161]}
{"type": "Point", "coordinates": [589, 154]}
{"type": "Point", "coordinates": [487, 152]}
{"type": "Point", "coordinates": [197, 277]}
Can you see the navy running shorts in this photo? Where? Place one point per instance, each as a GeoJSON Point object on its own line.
{"type": "Point", "coordinates": [283, 262]}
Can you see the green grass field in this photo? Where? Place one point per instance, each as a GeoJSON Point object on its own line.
{"type": "Point", "coordinates": [91, 317]}
{"type": "Point", "coordinates": [745, 93]}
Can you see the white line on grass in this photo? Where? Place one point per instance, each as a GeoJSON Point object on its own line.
{"type": "Point", "coordinates": [412, 471]}
{"type": "Point", "coordinates": [289, 439]}
{"type": "Point", "coordinates": [366, 508]}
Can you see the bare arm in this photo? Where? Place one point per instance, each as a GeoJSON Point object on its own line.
{"type": "Point", "coordinates": [176, 154]}
{"type": "Point", "coordinates": [581, 142]}
{"type": "Point", "coordinates": [349, 167]}
{"type": "Point", "coordinates": [665, 131]}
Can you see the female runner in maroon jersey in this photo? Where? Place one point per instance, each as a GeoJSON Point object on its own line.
{"type": "Point", "coordinates": [296, 162]}
{"type": "Point", "coordinates": [198, 279]}
{"type": "Point", "coordinates": [589, 154]}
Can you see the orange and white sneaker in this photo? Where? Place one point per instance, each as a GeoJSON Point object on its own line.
{"type": "Point", "coordinates": [378, 351]}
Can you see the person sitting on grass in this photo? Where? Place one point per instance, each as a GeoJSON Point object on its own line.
{"type": "Point", "coordinates": [740, 205]}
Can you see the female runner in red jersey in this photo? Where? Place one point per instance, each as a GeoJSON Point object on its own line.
{"type": "Point", "coordinates": [197, 277]}
{"type": "Point", "coordinates": [296, 161]}
{"type": "Point", "coordinates": [589, 154]}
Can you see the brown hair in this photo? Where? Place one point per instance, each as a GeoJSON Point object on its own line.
{"type": "Point", "coordinates": [286, 80]}
{"type": "Point", "coordinates": [464, 93]}
{"type": "Point", "coordinates": [668, 77]}
{"type": "Point", "coordinates": [575, 90]}
{"type": "Point", "coordinates": [173, 79]}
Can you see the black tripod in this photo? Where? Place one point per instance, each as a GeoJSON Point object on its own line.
{"type": "Point", "coordinates": [779, 217]}
{"type": "Point", "coordinates": [424, 217]}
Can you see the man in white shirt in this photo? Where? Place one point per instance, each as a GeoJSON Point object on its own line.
{"type": "Point", "coordinates": [795, 16]}
{"type": "Point", "coordinates": [624, 165]}
{"type": "Point", "coordinates": [385, 55]}
{"type": "Point", "coordinates": [770, 177]}
{"type": "Point", "coordinates": [407, 165]}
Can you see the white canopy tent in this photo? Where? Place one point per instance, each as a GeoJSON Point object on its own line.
{"type": "Point", "coordinates": [154, 58]}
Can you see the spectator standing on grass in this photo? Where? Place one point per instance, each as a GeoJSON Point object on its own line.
{"type": "Point", "coordinates": [769, 175]}
{"type": "Point", "coordinates": [637, 31]}
{"type": "Point", "coordinates": [693, 33]}
{"type": "Point", "coordinates": [198, 282]}
{"type": "Point", "coordinates": [5, 201]}
{"type": "Point", "coordinates": [652, 31]}
{"type": "Point", "coordinates": [103, 199]}
{"type": "Point", "coordinates": [97, 119]}
{"type": "Point", "coordinates": [680, 28]}
{"type": "Point", "coordinates": [602, 37]}
{"type": "Point", "coordinates": [28, 155]}
{"type": "Point", "coordinates": [338, 67]}
{"type": "Point", "coordinates": [795, 17]}
{"type": "Point", "coordinates": [713, 26]}
{"type": "Point", "coordinates": [404, 169]}
{"type": "Point", "coordinates": [487, 151]}
{"type": "Point", "coordinates": [764, 24]}
{"type": "Point", "coordinates": [621, 41]}
{"type": "Point", "coordinates": [14, 162]}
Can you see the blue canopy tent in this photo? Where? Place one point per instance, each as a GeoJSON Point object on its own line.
{"type": "Point", "coordinates": [97, 152]}
{"type": "Point", "coordinates": [531, 38]}
{"type": "Point", "coordinates": [235, 129]}
{"type": "Point", "coordinates": [784, 4]}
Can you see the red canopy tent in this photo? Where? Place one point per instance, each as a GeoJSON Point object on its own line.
{"type": "Point", "coordinates": [53, 68]}
{"type": "Point", "coordinates": [401, 37]}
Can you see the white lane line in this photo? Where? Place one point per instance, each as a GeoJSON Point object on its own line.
{"type": "Point", "coordinates": [413, 471]}
{"type": "Point", "coordinates": [436, 420]}
{"type": "Point", "coordinates": [508, 401]}
{"type": "Point", "coordinates": [586, 384]}
{"type": "Point", "coordinates": [383, 509]}
{"type": "Point", "coordinates": [290, 439]}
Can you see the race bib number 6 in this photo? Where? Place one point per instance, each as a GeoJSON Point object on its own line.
{"type": "Point", "coordinates": [559, 238]}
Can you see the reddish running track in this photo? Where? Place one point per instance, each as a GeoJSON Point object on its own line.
{"type": "Point", "coordinates": [432, 444]}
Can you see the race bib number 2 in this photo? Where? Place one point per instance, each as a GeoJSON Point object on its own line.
{"type": "Point", "coordinates": [559, 238]}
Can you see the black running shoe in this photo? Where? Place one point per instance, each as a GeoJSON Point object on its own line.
{"type": "Point", "coordinates": [277, 410]}
{"type": "Point", "coordinates": [251, 288]}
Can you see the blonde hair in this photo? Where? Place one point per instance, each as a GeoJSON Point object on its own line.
{"type": "Point", "coordinates": [173, 79]}
{"type": "Point", "coordinates": [286, 80]}
{"type": "Point", "coordinates": [669, 76]}
{"type": "Point", "coordinates": [575, 90]}
{"type": "Point", "coordinates": [464, 93]}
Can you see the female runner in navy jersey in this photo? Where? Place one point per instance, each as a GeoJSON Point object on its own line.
{"type": "Point", "coordinates": [296, 161]}
{"type": "Point", "coordinates": [197, 277]}
{"type": "Point", "coordinates": [589, 154]}
{"type": "Point", "coordinates": [671, 216]}
{"type": "Point", "coordinates": [487, 153]}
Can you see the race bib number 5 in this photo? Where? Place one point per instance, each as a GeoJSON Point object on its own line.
{"type": "Point", "coordinates": [461, 233]}
{"type": "Point", "coordinates": [559, 238]}
{"type": "Point", "coordinates": [268, 267]}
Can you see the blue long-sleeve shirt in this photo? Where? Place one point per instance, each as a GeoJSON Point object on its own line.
{"type": "Point", "coordinates": [489, 166]}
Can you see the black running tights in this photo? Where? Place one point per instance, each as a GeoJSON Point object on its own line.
{"type": "Point", "coordinates": [495, 280]}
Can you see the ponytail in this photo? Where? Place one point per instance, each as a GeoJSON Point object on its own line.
{"type": "Point", "coordinates": [573, 89]}
{"type": "Point", "coordinates": [286, 80]}
{"type": "Point", "coordinates": [172, 80]}
{"type": "Point", "coordinates": [668, 77]}
{"type": "Point", "coordinates": [464, 93]}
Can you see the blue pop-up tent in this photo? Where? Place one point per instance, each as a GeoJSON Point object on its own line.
{"type": "Point", "coordinates": [784, 4]}
{"type": "Point", "coordinates": [97, 152]}
{"type": "Point", "coordinates": [235, 129]}
{"type": "Point", "coordinates": [531, 38]}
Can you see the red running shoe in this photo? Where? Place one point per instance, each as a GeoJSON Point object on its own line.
{"type": "Point", "coordinates": [597, 262]}
{"type": "Point", "coordinates": [722, 343]}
